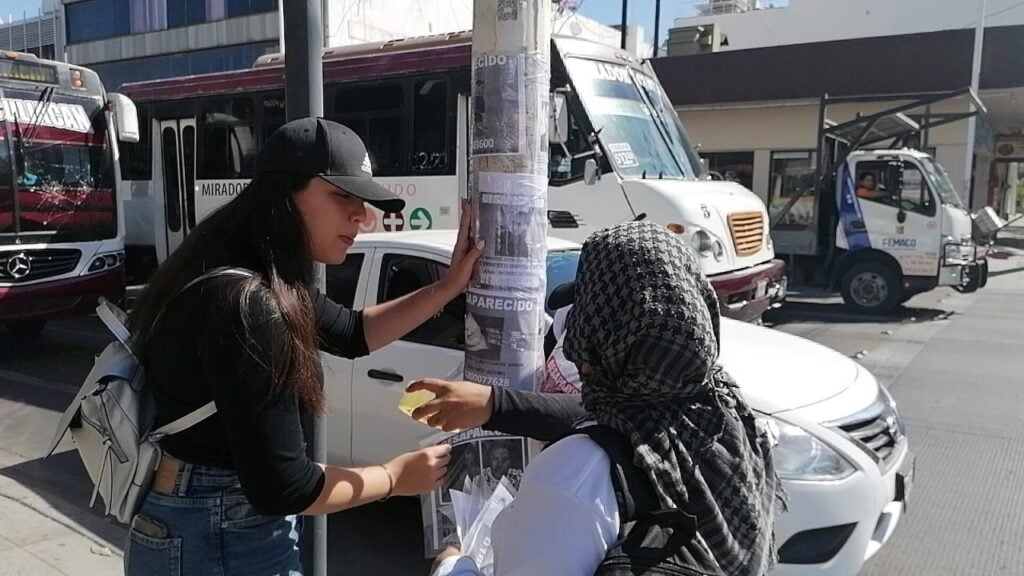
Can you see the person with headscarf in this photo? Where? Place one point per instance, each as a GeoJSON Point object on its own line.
{"type": "Point", "coordinates": [644, 333]}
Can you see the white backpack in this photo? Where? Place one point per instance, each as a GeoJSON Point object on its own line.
{"type": "Point", "coordinates": [112, 416]}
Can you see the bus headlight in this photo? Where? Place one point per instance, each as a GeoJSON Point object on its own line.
{"type": "Point", "coordinates": [105, 261]}
{"type": "Point", "coordinates": [706, 245]}
{"type": "Point", "coordinates": [799, 455]}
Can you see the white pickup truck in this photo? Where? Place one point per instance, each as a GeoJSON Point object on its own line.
{"type": "Point", "coordinates": [842, 450]}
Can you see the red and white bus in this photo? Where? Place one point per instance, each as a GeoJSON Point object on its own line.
{"type": "Point", "coordinates": [618, 150]}
{"type": "Point", "coordinates": [61, 231]}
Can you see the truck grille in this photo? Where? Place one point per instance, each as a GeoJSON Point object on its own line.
{"type": "Point", "coordinates": [877, 430]}
{"type": "Point", "coordinates": [747, 232]}
{"type": "Point", "coordinates": [41, 264]}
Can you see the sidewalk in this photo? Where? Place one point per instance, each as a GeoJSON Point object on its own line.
{"type": "Point", "coordinates": [37, 539]}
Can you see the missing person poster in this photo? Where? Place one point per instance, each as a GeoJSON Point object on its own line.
{"type": "Point", "coordinates": [504, 340]}
{"type": "Point", "coordinates": [481, 460]}
{"type": "Point", "coordinates": [498, 104]}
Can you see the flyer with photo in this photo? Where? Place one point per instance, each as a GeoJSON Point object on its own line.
{"type": "Point", "coordinates": [481, 461]}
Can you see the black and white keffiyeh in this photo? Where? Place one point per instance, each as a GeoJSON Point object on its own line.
{"type": "Point", "coordinates": [646, 321]}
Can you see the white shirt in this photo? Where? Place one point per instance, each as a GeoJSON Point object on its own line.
{"type": "Point", "coordinates": [562, 522]}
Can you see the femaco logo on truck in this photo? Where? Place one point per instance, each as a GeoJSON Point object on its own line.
{"type": "Point", "coordinates": [899, 243]}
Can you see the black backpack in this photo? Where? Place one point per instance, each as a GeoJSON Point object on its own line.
{"type": "Point", "coordinates": [654, 541]}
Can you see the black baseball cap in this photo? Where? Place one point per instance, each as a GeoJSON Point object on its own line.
{"type": "Point", "coordinates": [563, 295]}
{"type": "Point", "coordinates": [319, 147]}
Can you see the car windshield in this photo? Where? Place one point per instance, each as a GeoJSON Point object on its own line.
{"type": "Point", "coordinates": [941, 183]}
{"type": "Point", "coordinates": [625, 109]}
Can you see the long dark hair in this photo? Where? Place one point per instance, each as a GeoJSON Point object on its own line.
{"type": "Point", "coordinates": [261, 230]}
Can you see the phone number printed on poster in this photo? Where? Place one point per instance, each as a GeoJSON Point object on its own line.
{"type": "Point", "coordinates": [504, 340]}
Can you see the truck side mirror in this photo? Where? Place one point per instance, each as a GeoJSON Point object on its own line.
{"type": "Point", "coordinates": [894, 181]}
{"type": "Point", "coordinates": [590, 172]}
{"type": "Point", "coordinates": [126, 117]}
{"type": "Point", "coordinates": [894, 178]}
{"type": "Point", "coordinates": [558, 120]}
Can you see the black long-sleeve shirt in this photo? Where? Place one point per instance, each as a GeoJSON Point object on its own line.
{"type": "Point", "coordinates": [199, 353]}
{"type": "Point", "coordinates": [536, 415]}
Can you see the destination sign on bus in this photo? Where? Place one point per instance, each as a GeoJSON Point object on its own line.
{"type": "Point", "coordinates": [28, 71]}
{"type": "Point", "coordinates": [56, 115]}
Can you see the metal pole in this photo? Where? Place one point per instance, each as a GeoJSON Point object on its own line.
{"type": "Point", "coordinates": [304, 96]}
{"type": "Point", "coordinates": [625, 10]}
{"type": "Point", "coordinates": [657, 26]}
{"type": "Point", "coordinates": [972, 126]}
{"type": "Point", "coordinates": [280, 27]}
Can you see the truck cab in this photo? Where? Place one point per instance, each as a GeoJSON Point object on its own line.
{"type": "Point", "coordinates": [886, 223]}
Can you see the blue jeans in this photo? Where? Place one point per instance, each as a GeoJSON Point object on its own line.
{"type": "Point", "coordinates": [208, 528]}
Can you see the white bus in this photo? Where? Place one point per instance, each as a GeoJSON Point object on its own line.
{"type": "Point", "coordinates": [61, 231]}
{"type": "Point", "coordinates": [623, 152]}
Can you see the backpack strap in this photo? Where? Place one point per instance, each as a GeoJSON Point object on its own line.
{"type": "Point", "coordinates": [210, 408]}
{"type": "Point", "coordinates": [113, 318]}
{"type": "Point", "coordinates": [221, 271]}
{"type": "Point", "coordinates": [639, 509]}
{"type": "Point", "coordinates": [185, 422]}
{"type": "Point", "coordinates": [633, 490]}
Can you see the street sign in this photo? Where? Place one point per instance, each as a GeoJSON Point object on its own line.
{"type": "Point", "coordinates": [420, 219]}
{"type": "Point", "coordinates": [393, 221]}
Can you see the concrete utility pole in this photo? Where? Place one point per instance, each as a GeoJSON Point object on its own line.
{"type": "Point", "coordinates": [972, 122]}
{"type": "Point", "coordinates": [508, 183]}
{"type": "Point", "coordinates": [304, 96]}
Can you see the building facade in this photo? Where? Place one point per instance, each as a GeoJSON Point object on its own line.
{"type": "Point", "coordinates": [752, 101]}
{"type": "Point", "coordinates": [38, 33]}
{"type": "Point", "coordinates": [133, 40]}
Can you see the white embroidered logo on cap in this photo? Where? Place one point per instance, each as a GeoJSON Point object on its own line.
{"type": "Point", "coordinates": [366, 166]}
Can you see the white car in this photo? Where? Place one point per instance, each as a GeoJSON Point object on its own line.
{"type": "Point", "coordinates": [842, 451]}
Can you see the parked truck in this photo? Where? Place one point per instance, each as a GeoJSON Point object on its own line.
{"type": "Point", "coordinates": [880, 221]}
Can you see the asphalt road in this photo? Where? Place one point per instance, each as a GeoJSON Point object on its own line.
{"type": "Point", "coordinates": [955, 364]}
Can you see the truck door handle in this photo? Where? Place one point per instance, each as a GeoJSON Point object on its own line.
{"type": "Point", "coordinates": [857, 225]}
{"type": "Point", "coordinates": [382, 375]}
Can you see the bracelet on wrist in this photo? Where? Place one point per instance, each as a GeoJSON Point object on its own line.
{"type": "Point", "coordinates": [391, 483]}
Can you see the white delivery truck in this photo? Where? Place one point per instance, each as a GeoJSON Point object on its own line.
{"type": "Point", "coordinates": [879, 224]}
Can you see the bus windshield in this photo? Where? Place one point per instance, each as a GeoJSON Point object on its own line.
{"type": "Point", "coordinates": [940, 182]}
{"type": "Point", "coordinates": [56, 168]}
{"type": "Point", "coordinates": [628, 110]}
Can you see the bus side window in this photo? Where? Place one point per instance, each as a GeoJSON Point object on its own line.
{"type": "Point", "coordinates": [430, 127]}
{"type": "Point", "coordinates": [375, 113]}
{"type": "Point", "coordinates": [227, 143]}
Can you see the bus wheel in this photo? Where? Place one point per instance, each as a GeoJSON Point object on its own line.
{"type": "Point", "coordinates": [871, 288]}
{"type": "Point", "coordinates": [26, 329]}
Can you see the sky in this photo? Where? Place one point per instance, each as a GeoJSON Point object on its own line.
{"type": "Point", "coordinates": [18, 7]}
{"type": "Point", "coordinates": [641, 12]}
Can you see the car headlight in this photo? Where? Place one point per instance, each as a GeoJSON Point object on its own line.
{"type": "Point", "coordinates": [799, 455]}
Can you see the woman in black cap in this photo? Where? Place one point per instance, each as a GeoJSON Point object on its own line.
{"type": "Point", "coordinates": [227, 493]}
